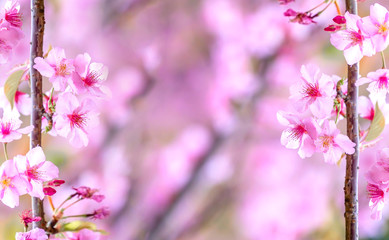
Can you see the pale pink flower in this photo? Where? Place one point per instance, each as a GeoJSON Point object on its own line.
{"type": "Point", "coordinates": [23, 103]}
{"type": "Point", "coordinates": [12, 185]}
{"type": "Point", "coordinates": [10, 127]}
{"type": "Point", "coordinates": [34, 234]}
{"type": "Point", "coordinates": [377, 26]}
{"type": "Point", "coordinates": [315, 91]}
{"type": "Point", "coordinates": [299, 134]}
{"type": "Point", "coordinates": [378, 182]}
{"type": "Point", "coordinates": [36, 170]}
{"type": "Point", "coordinates": [100, 213]}
{"type": "Point", "coordinates": [352, 41]}
{"type": "Point", "coordinates": [9, 38]}
{"type": "Point", "coordinates": [377, 200]}
{"type": "Point", "coordinates": [73, 119]}
{"type": "Point", "coordinates": [88, 77]}
{"type": "Point", "coordinates": [56, 67]}
{"type": "Point", "coordinates": [333, 144]}
{"type": "Point", "coordinates": [379, 84]}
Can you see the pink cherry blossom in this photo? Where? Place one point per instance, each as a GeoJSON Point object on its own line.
{"type": "Point", "coordinates": [332, 143]}
{"type": "Point", "coordinates": [10, 127]}
{"type": "Point", "coordinates": [88, 77]}
{"type": "Point", "coordinates": [377, 26]}
{"type": "Point", "coordinates": [299, 134]}
{"type": "Point", "coordinates": [12, 185]}
{"type": "Point", "coordinates": [315, 91]}
{"type": "Point", "coordinates": [73, 119]}
{"type": "Point", "coordinates": [34, 234]}
{"type": "Point", "coordinates": [27, 218]}
{"type": "Point", "coordinates": [300, 17]}
{"type": "Point", "coordinates": [377, 200]}
{"type": "Point", "coordinates": [9, 38]}
{"type": "Point", "coordinates": [56, 67]}
{"type": "Point", "coordinates": [379, 84]}
{"type": "Point", "coordinates": [378, 183]}
{"type": "Point", "coordinates": [36, 170]}
{"type": "Point", "coordinates": [352, 40]}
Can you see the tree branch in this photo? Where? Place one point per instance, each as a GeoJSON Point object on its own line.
{"type": "Point", "coordinates": [351, 179]}
{"type": "Point", "coordinates": [37, 32]}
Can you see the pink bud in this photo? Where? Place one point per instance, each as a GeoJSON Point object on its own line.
{"type": "Point", "coordinates": [332, 28]}
{"type": "Point", "coordinates": [49, 191]}
{"type": "Point", "coordinates": [339, 19]}
{"type": "Point", "coordinates": [56, 182]}
{"type": "Point", "coordinates": [290, 13]}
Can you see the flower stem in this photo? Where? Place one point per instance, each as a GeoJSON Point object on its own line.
{"type": "Point", "coordinates": [337, 8]}
{"type": "Point", "coordinates": [383, 60]}
{"type": "Point", "coordinates": [5, 151]}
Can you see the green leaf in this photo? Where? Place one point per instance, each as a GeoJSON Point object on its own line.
{"type": "Point", "coordinates": [76, 226]}
{"type": "Point", "coordinates": [377, 125]}
{"type": "Point", "coordinates": [11, 86]}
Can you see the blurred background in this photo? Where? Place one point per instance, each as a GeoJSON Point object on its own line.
{"type": "Point", "coordinates": [188, 147]}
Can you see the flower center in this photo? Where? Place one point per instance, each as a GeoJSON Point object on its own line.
{"type": "Point", "coordinates": [297, 132]}
{"type": "Point", "coordinates": [5, 182]}
{"type": "Point", "coordinates": [32, 173]}
{"type": "Point", "coordinates": [311, 90]}
{"type": "Point", "coordinates": [91, 78]}
{"type": "Point", "coordinates": [383, 82]}
{"type": "Point", "coordinates": [14, 18]}
{"type": "Point", "coordinates": [327, 141]}
{"type": "Point", "coordinates": [383, 28]}
{"type": "Point", "coordinates": [77, 120]}
{"type": "Point", "coordinates": [374, 192]}
{"type": "Point", "coordinates": [62, 70]}
{"type": "Point", "coordinates": [6, 128]}
{"type": "Point", "coordinates": [356, 38]}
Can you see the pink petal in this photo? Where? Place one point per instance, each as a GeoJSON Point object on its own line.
{"type": "Point", "coordinates": [36, 156]}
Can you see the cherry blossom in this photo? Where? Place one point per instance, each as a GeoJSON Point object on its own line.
{"type": "Point", "coordinates": [10, 127]}
{"type": "Point", "coordinates": [332, 143]}
{"type": "Point", "coordinates": [379, 84]}
{"type": "Point", "coordinates": [12, 185]}
{"type": "Point", "coordinates": [378, 183]}
{"type": "Point", "coordinates": [299, 134]}
{"type": "Point", "coordinates": [352, 41]}
{"type": "Point", "coordinates": [36, 170]}
{"type": "Point", "coordinates": [377, 26]}
{"type": "Point", "coordinates": [88, 77]}
{"type": "Point", "coordinates": [315, 91]}
{"type": "Point", "coordinates": [34, 234]}
{"type": "Point", "coordinates": [73, 119]}
{"type": "Point", "coordinates": [56, 67]}
{"type": "Point", "coordinates": [300, 17]}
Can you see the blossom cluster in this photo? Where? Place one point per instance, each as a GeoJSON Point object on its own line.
{"type": "Point", "coordinates": [310, 129]}
{"type": "Point", "coordinates": [324, 97]}
{"type": "Point", "coordinates": [365, 36]}
{"type": "Point", "coordinates": [79, 83]}
{"type": "Point", "coordinates": [25, 174]}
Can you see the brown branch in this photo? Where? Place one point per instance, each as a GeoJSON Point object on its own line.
{"type": "Point", "coordinates": [37, 32]}
{"type": "Point", "coordinates": [351, 179]}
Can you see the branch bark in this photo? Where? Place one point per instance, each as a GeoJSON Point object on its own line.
{"type": "Point", "coordinates": [37, 32]}
{"type": "Point", "coordinates": [351, 179]}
